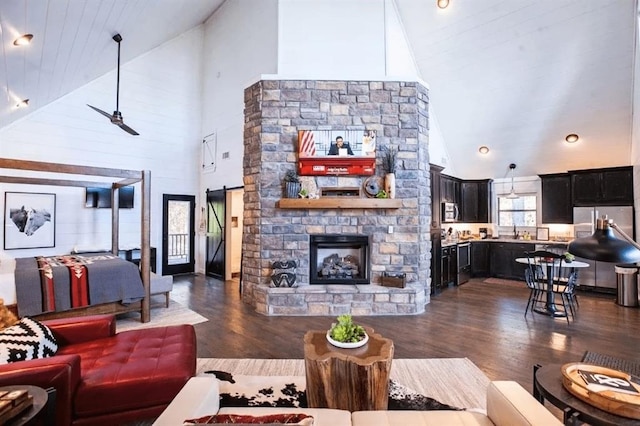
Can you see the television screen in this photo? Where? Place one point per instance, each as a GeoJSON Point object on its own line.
{"type": "Point", "coordinates": [101, 198]}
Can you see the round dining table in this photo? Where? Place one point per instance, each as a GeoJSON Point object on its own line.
{"type": "Point", "coordinates": [550, 307]}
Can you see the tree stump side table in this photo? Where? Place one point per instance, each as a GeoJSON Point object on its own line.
{"type": "Point", "coordinates": [347, 379]}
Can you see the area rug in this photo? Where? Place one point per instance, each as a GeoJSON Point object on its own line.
{"type": "Point", "coordinates": [613, 362]}
{"type": "Point", "coordinates": [175, 314]}
{"type": "Point", "coordinates": [456, 382]}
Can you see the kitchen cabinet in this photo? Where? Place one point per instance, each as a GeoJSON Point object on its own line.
{"type": "Point", "coordinates": [449, 189]}
{"type": "Point", "coordinates": [480, 259]}
{"type": "Point", "coordinates": [475, 201]}
{"type": "Point", "coordinates": [436, 261]}
{"type": "Point", "coordinates": [556, 198]}
{"type": "Point", "coordinates": [611, 186]}
{"type": "Point", "coordinates": [449, 265]}
{"type": "Point", "coordinates": [434, 174]}
{"type": "Point", "coordinates": [502, 260]}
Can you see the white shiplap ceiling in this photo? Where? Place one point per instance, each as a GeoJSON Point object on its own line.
{"type": "Point", "coordinates": [515, 75]}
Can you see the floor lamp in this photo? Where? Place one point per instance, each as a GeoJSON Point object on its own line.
{"type": "Point", "coordinates": [604, 246]}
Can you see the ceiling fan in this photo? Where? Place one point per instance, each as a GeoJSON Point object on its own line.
{"type": "Point", "coordinates": [116, 117]}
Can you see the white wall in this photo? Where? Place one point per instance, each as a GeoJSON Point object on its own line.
{"type": "Point", "coordinates": [160, 98]}
{"type": "Point", "coordinates": [635, 131]}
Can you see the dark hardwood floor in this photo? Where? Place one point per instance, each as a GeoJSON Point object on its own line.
{"type": "Point", "coordinates": [480, 321]}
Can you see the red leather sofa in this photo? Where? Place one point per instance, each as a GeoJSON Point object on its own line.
{"type": "Point", "coordinates": [104, 378]}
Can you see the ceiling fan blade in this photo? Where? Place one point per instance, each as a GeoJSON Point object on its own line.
{"type": "Point", "coordinates": [100, 111]}
{"type": "Point", "coordinates": [128, 129]}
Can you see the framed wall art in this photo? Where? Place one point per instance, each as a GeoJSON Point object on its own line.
{"type": "Point", "coordinates": [29, 220]}
{"type": "Point", "coordinates": [542, 234]}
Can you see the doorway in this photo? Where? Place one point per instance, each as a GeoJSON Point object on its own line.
{"type": "Point", "coordinates": [225, 209]}
{"type": "Point", "coordinates": [178, 234]}
{"type": "Point", "coordinates": [216, 209]}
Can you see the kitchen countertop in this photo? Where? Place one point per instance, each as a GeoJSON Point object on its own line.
{"type": "Point", "coordinates": [503, 240]}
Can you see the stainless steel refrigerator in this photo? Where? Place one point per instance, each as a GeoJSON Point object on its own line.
{"type": "Point", "coordinates": [600, 276]}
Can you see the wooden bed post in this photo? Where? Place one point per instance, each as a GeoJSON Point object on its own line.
{"type": "Point", "coordinates": [145, 252]}
{"type": "Point", "coordinates": [115, 222]}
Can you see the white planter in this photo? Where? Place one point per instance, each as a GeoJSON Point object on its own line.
{"type": "Point", "coordinates": [390, 185]}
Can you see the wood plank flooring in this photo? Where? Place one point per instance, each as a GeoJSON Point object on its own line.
{"type": "Point", "coordinates": [481, 321]}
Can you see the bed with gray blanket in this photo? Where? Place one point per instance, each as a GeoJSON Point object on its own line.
{"type": "Point", "coordinates": [53, 284]}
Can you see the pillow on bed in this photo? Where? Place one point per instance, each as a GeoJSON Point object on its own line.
{"type": "Point", "coordinates": [26, 340]}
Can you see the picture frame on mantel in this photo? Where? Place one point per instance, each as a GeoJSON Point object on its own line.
{"type": "Point", "coordinates": [542, 234]}
{"type": "Point", "coordinates": [29, 220]}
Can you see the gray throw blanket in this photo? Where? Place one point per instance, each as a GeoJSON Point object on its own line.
{"type": "Point", "coordinates": [110, 279]}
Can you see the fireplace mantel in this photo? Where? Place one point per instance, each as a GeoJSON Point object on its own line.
{"type": "Point", "coordinates": [339, 203]}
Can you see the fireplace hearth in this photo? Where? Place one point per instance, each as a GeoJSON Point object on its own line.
{"type": "Point", "coordinates": [339, 259]}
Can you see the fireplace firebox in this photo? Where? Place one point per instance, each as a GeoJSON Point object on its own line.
{"type": "Point", "coordinates": [339, 259]}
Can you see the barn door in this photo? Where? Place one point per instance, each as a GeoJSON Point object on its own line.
{"type": "Point", "coordinates": [215, 233]}
{"type": "Point", "coordinates": [178, 234]}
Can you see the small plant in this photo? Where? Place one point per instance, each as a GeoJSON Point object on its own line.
{"type": "Point", "coordinates": [303, 193]}
{"type": "Point", "coordinates": [291, 176]}
{"type": "Point", "coordinates": [382, 194]}
{"type": "Point", "coordinates": [389, 159]}
{"type": "Point", "coordinates": [568, 257]}
{"type": "Point", "coordinates": [346, 331]}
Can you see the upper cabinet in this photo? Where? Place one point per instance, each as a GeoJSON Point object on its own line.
{"type": "Point", "coordinates": [449, 189]}
{"type": "Point", "coordinates": [434, 174]}
{"type": "Point", "coordinates": [612, 186]}
{"type": "Point", "coordinates": [475, 201]}
{"type": "Point", "coordinates": [556, 198]}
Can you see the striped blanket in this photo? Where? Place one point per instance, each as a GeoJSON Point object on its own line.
{"type": "Point", "coordinates": [59, 283]}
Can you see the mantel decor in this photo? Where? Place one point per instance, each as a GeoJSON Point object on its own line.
{"type": "Point", "coordinates": [339, 203]}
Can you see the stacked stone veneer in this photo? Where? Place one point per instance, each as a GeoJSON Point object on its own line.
{"type": "Point", "coordinates": [274, 112]}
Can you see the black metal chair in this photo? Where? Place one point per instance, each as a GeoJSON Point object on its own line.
{"type": "Point", "coordinates": [547, 275]}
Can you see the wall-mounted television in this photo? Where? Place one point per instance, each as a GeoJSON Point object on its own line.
{"type": "Point", "coordinates": [100, 198]}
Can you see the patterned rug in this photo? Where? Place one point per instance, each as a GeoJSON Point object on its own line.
{"type": "Point", "coordinates": [615, 363]}
{"type": "Point", "coordinates": [161, 316]}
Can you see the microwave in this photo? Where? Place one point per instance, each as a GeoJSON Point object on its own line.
{"type": "Point", "coordinates": [450, 212]}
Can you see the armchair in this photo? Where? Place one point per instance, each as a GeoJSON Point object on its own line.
{"type": "Point", "coordinates": [104, 378]}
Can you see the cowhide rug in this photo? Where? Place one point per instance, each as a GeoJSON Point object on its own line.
{"type": "Point", "coordinates": [283, 391]}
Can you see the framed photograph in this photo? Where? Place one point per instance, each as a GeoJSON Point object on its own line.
{"type": "Point", "coordinates": [29, 220]}
{"type": "Point", "coordinates": [542, 234]}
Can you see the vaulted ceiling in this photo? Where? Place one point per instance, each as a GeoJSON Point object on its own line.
{"type": "Point", "coordinates": [514, 75]}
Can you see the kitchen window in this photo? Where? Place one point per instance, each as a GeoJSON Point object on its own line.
{"type": "Point", "coordinates": [519, 211]}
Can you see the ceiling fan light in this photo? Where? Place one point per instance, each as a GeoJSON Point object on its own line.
{"type": "Point", "coordinates": [442, 4]}
{"type": "Point", "coordinates": [23, 40]}
{"type": "Point", "coordinates": [572, 138]}
{"type": "Point", "coordinates": [483, 150]}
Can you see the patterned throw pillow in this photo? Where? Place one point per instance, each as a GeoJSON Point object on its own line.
{"type": "Point", "coordinates": [285, 419]}
{"type": "Point", "coordinates": [28, 339]}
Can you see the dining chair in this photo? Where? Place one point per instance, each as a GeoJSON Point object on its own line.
{"type": "Point", "coordinates": [550, 277]}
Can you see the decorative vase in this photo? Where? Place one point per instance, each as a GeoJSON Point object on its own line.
{"type": "Point", "coordinates": [390, 185]}
{"type": "Point", "coordinates": [292, 189]}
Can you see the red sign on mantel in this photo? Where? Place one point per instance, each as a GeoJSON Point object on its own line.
{"type": "Point", "coordinates": [335, 166]}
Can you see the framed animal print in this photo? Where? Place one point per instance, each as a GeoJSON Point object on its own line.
{"type": "Point", "coordinates": [29, 220]}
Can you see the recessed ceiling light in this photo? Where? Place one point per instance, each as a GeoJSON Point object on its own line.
{"type": "Point", "coordinates": [23, 103]}
{"type": "Point", "coordinates": [572, 138]}
{"type": "Point", "coordinates": [483, 149]}
{"type": "Point", "coordinates": [23, 40]}
{"type": "Point", "coordinates": [442, 4]}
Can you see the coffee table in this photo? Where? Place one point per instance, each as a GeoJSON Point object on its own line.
{"type": "Point", "coordinates": [547, 384]}
{"type": "Point", "coordinates": [347, 379]}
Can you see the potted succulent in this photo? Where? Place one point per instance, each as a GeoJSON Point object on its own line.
{"type": "Point", "coordinates": [568, 257]}
{"type": "Point", "coordinates": [389, 163]}
{"type": "Point", "coordinates": [292, 185]}
{"type": "Point", "coordinates": [346, 334]}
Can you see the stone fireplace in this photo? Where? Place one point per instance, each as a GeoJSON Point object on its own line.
{"type": "Point", "coordinates": [338, 259]}
{"type": "Point", "coordinates": [397, 232]}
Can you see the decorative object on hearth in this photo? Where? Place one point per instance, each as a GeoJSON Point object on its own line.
{"type": "Point", "coordinates": [372, 186]}
{"type": "Point", "coordinates": [292, 184]}
{"type": "Point", "coordinates": [394, 279]}
{"type": "Point", "coordinates": [346, 334]}
{"type": "Point", "coordinates": [284, 273]}
{"type": "Point", "coordinates": [389, 163]}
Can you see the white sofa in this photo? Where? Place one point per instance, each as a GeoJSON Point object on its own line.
{"type": "Point", "coordinates": [508, 404]}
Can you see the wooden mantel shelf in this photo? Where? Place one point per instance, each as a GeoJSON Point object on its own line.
{"type": "Point", "coordinates": [339, 203]}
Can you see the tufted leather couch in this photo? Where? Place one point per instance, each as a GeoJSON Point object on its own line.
{"type": "Point", "coordinates": [104, 378]}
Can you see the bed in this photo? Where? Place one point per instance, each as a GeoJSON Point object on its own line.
{"type": "Point", "coordinates": [113, 293]}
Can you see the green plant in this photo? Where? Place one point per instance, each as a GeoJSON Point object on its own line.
{"type": "Point", "coordinates": [568, 257]}
{"type": "Point", "coordinates": [291, 176]}
{"type": "Point", "coordinates": [303, 193]}
{"type": "Point", "coordinates": [389, 159]}
{"type": "Point", "coordinates": [382, 194]}
{"type": "Point", "coordinates": [346, 331]}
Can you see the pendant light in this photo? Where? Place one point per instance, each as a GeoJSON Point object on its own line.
{"type": "Point", "coordinates": [512, 195]}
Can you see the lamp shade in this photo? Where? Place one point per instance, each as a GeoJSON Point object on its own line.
{"type": "Point", "coordinates": [604, 246]}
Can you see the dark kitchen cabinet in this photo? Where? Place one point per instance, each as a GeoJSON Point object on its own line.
{"type": "Point", "coordinates": [503, 260]}
{"type": "Point", "coordinates": [436, 261]}
{"type": "Point", "coordinates": [475, 201]}
{"type": "Point", "coordinates": [480, 259]}
{"type": "Point", "coordinates": [449, 189]}
{"type": "Point", "coordinates": [449, 265]}
{"type": "Point", "coordinates": [556, 198]}
{"type": "Point", "coordinates": [434, 174]}
{"type": "Point", "coordinates": [612, 186]}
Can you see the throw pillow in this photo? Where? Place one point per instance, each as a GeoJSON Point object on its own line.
{"type": "Point", "coordinates": [285, 419]}
{"type": "Point", "coordinates": [26, 340]}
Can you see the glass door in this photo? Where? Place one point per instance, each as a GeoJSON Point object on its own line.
{"type": "Point", "coordinates": [178, 234]}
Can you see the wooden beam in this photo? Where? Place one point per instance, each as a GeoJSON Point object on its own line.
{"type": "Point", "coordinates": [7, 163]}
{"type": "Point", "coordinates": [54, 182]}
{"type": "Point", "coordinates": [145, 239]}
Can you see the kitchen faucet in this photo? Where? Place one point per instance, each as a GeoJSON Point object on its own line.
{"type": "Point", "coordinates": [515, 232]}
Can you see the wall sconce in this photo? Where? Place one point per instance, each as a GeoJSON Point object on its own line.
{"type": "Point", "coordinates": [572, 138]}
{"type": "Point", "coordinates": [483, 150]}
{"type": "Point", "coordinates": [442, 4]}
{"type": "Point", "coordinates": [23, 40]}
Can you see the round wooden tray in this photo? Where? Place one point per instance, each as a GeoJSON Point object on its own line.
{"type": "Point", "coordinates": [618, 403]}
